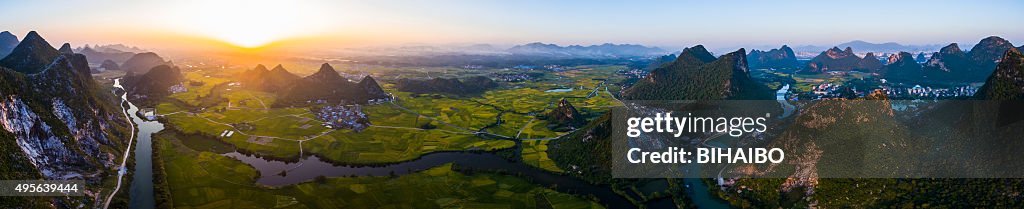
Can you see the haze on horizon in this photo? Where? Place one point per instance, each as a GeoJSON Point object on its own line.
{"type": "Point", "coordinates": [312, 24]}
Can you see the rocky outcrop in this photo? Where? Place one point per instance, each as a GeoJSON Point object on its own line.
{"type": "Point", "coordinates": [697, 75]}
{"type": "Point", "coordinates": [781, 58]}
{"type": "Point", "coordinates": [565, 117]}
{"type": "Point", "coordinates": [57, 123]}
{"type": "Point", "coordinates": [902, 65]}
{"type": "Point", "coordinates": [1007, 81]}
{"type": "Point", "coordinates": [326, 85]}
{"type": "Point", "coordinates": [835, 59]}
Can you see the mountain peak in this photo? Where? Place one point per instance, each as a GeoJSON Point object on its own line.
{"type": "Point", "coordinates": [7, 43]}
{"type": "Point", "coordinates": [729, 79]}
{"type": "Point", "coordinates": [903, 66]}
{"type": "Point", "coordinates": [372, 88]}
{"type": "Point", "coordinates": [993, 40]}
{"type": "Point", "coordinates": [32, 35]}
{"type": "Point", "coordinates": [368, 78]}
{"type": "Point", "coordinates": [988, 51]}
{"type": "Point", "coordinates": [326, 74]}
{"type": "Point", "coordinates": [260, 67]}
{"type": "Point", "coordinates": [697, 52]}
{"type": "Point", "coordinates": [781, 58]}
{"type": "Point", "coordinates": [278, 67]}
{"type": "Point", "coordinates": [951, 49]}
{"type": "Point", "coordinates": [1007, 81]}
{"type": "Point", "coordinates": [31, 55]}
{"type": "Point", "coordinates": [65, 49]}
{"type": "Point", "coordinates": [326, 68]}
{"type": "Point", "coordinates": [565, 116]}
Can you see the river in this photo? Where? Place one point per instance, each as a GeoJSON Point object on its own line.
{"type": "Point", "coordinates": [311, 167]}
{"type": "Point", "coordinates": [787, 108]}
{"type": "Point", "coordinates": [141, 190]}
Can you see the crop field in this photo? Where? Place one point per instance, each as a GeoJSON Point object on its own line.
{"type": "Point", "coordinates": [395, 135]}
{"type": "Point", "coordinates": [384, 145]}
{"type": "Point", "coordinates": [413, 125]}
{"type": "Point", "coordinates": [511, 124]}
{"type": "Point", "coordinates": [195, 92]}
{"type": "Point", "coordinates": [199, 179]}
{"type": "Point", "coordinates": [535, 154]}
{"type": "Point", "coordinates": [459, 112]}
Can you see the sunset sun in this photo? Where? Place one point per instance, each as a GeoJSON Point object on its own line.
{"type": "Point", "coordinates": [249, 24]}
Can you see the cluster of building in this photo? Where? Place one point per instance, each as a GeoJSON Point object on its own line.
{"type": "Point", "coordinates": [634, 73]}
{"type": "Point", "coordinates": [341, 116]}
{"type": "Point", "coordinates": [917, 91]}
{"type": "Point", "coordinates": [381, 100]}
{"type": "Point", "coordinates": [177, 88]}
{"type": "Point", "coordinates": [511, 77]}
{"type": "Point", "coordinates": [556, 68]}
{"type": "Point", "coordinates": [827, 90]}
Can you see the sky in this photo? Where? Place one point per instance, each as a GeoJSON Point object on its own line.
{"type": "Point", "coordinates": [309, 23]}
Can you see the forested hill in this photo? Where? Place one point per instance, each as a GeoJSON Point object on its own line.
{"type": "Point", "coordinates": [697, 75]}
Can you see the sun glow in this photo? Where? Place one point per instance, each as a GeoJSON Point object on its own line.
{"type": "Point", "coordinates": [249, 24]}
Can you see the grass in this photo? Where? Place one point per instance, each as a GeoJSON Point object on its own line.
{"type": "Point", "coordinates": [206, 180]}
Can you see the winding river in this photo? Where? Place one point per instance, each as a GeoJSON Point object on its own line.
{"type": "Point", "coordinates": [141, 190]}
{"type": "Point", "coordinates": [311, 167]}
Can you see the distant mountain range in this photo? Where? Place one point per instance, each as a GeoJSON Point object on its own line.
{"type": "Point", "coordinates": [113, 48]}
{"type": "Point", "coordinates": [952, 64]}
{"type": "Point", "coordinates": [949, 64]}
{"type": "Point", "coordinates": [890, 47]}
{"type": "Point", "coordinates": [98, 56]}
{"type": "Point", "coordinates": [595, 51]}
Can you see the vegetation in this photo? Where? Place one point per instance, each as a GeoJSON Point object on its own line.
{"type": "Point", "coordinates": [706, 78]}
{"type": "Point", "coordinates": [200, 179]}
{"type": "Point", "coordinates": [471, 85]}
{"type": "Point", "coordinates": [1005, 83]}
{"type": "Point", "coordinates": [535, 154]}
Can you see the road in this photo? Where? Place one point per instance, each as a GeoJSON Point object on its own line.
{"type": "Point", "coordinates": [122, 170]}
